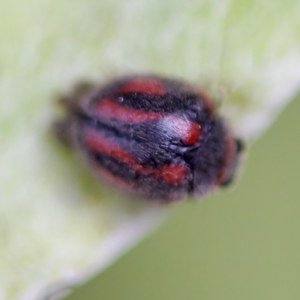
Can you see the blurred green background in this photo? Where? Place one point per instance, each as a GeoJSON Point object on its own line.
{"type": "Point", "coordinates": [240, 244]}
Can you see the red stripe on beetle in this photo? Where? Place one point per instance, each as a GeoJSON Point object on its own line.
{"type": "Point", "coordinates": [111, 109]}
{"type": "Point", "coordinates": [96, 141]}
{"type": "Point", "coordinates": [228, 156]}
{"type": "Point", "coordinates": [144, 85]}
{"type": "Point", "coordinates": [174, 174]}
{"type": "Point", "coordinates": [188, 131]}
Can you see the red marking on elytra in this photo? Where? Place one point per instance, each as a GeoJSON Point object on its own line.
{"type": "Point", "coordinates": [97, 142]}
{"type": "Point", "coordinates": [228, 156]}
{"type": "Point", "coordinates": [191, 135]}
{"type": "Point", "coordinates": [144, 85]}
{"type": "Point", "coordinates": [188, 131]}
{"type": "Point", "coordinates": [174, 174]}
{"type": "Point", "coordinates": [111, 109]}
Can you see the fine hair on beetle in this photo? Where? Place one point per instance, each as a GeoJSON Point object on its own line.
{"type": "Point", "coordinates": [159, 138]}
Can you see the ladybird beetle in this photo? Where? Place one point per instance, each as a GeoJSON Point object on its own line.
{"type": "Point", "coordinates": [157, 137]}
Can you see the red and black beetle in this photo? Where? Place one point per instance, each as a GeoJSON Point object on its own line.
{"type": "Point", "coordinates": [155, 136]}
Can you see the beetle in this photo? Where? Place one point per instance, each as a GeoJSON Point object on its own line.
{"type": "Point", "coordinates": [157, 137]}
